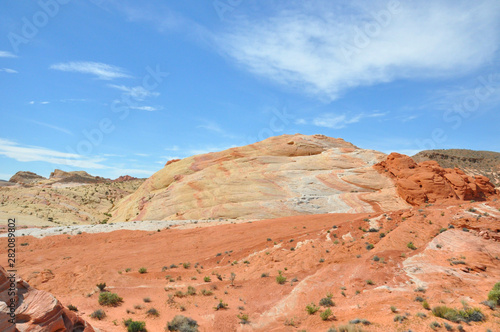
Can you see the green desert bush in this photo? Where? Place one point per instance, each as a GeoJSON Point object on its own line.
{"type": "Point", "coordinates": [494, 294]}
{"type": "Point", "coordinates": [98, 314]}
{"type": "Point", "coordinates": [280, 279]}
{"type": "Point", "coordinates": [110, 299]}
{"type": "Point", "coordinates": [182, 324]}
{"type": "Point", "coordinates": [135, 326]}
{"type": "Point", "coordinates": [459, 315]}
{"type": "Point", "coordinates": [312, 309]}
{"type": "Point", "coordinates": [326, 315]}
{"type": "Point", "coordinates": [327, 302]}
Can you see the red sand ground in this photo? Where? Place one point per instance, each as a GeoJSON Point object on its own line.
{"type": "Point", "coordinates": [69, 267]}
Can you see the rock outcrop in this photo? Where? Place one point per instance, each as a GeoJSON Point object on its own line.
{"type": "Point", "coordinates": [26, 177]}
{"type": "Point", "coordinates": [36, 310]}
{"type": "Point", "coordinates": [427, 182]}
{"type": "Point", "coordinates": [473, 163]}
{"type": "Point", "coordinates": [124, 178]}
{"type": "Point", "coordinates": [280, 176]}
{"type": "Point", "coordinates": [60, 176]}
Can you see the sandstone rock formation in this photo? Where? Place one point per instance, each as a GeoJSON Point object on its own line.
{"type": "Point", "coordinates": [428, 182]}
{"type": "Point", "coordinates": [280, 176]}
{"type": "Point", "coordinates": [486, 163]}
{"type": "Point", "coordinates": [75, 176]}
{"type": "Point", "coordinates": [124, 178]}
{"type": "Point", "coordinates": [26, 177]}
{"type": "Point", "coordinates": [37, 310]}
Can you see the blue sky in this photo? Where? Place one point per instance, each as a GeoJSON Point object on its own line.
{"type": "Point", "coordinates": [120, 87]}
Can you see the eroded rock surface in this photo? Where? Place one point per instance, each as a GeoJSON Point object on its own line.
{"type": "Point", "coordinates": [37, 310]}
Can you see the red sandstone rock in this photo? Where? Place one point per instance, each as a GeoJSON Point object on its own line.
{"type": "Point", "coordinates": [37, 310]}
{"type": "Point", "coordinates": [428, 182]}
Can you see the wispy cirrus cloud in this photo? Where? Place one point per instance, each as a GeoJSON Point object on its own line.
{"type": "Point", "coordinates": [145, 108]}
{"type": "Point", "coordinates": [326, 49]}
{"type": "Point", "coordinates": [136, 92]}
{"type": "Point", "coordinates": [338, 121]}
{"type": "Point", "coordinates": [6, 54]}
{"type": "Point", "coordinates": [48, 125]}
{"type": "Point", "coordinates": [100, 70]}
{"type": "Point", "coordinates": [28, 153]}
{"type": "Point", "coordinates": [8, 70]}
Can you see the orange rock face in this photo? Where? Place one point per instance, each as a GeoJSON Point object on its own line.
{"type": "Point", "coordinates": [37, 310]}
{"type": "Point", "coordinates": [427, 182]}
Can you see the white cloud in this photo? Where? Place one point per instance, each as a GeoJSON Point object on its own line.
{"type": "Point", "coordinates": [325, 49]}
{"type": "Point", "coordinates": [211, 126]}
{"type": "Point", "coordinates": [136, 92]}
{"type": "Point", "coordinates": [8, 70]}
{"type": "Point", "coordinates": [145, 108]}
{"type": "Point", "coordinates": [339, 121]}
{"type": "Point", "coordinates": [6, 54]}
{"type": "Point", "coordinates": [48, 125]}
{"type": "Point", "coordinates": [101, 70]}
{"type": "Point", "coordinates": [27, 153]}
{"type": "Point", "coordinates": [173, 148]}
{"type": "Point", "coordinates": [142, 154]}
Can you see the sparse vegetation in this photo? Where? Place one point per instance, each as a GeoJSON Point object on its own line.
{"type": "Point", "coordinates": [312, 309]}
{"type": "Point", "coordinates": [72, 308]}
{"type": "Point", "coordinates": [182, 324]}
{"type": "Point", "coordinates": [98, 314]}
{"type": "Point", "coordinates": [101, 286]}
{"type": "Point", "coordinates": [411, 246]}
{"type": "Point", "coordinates": [153, 312]}
{"type": "Point", "coordinates": [456, 315]}
{"type": "Point", "coordinates": [110, 299]}
{"type": "Point", "coordinates": [494, 294]}
{"type": "Point", "coordinates": [221, 305]}
{"type": "Point", "coordinates": [327, 314]}
{"type": "Point", "coordinates": [143, 270]}
{"type": "Point", "coordinates": [327, 301]}
{"type": "Point", "coordinates": [134, 326]}
{"type": "Point", "coordinates": [280, 279]}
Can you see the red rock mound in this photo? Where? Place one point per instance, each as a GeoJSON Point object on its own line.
{"type": "Point", "coordinates": [427, 182]}
{"type": "Point", "coordinates": [37, 310]}
{"type": "Point", "coordinates": [124, 178]}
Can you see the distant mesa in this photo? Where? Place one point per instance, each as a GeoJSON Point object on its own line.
{"type": "Point", "coordinates": [76, 177]}
{"type": "Point", "coordinates": [485, 163]}
{"type": "Point", "coordinates": [37, 310]}
{"type": "Point", "coordinates": [125, 178]}
{"type": "Point", "coordinates": [24, 177]}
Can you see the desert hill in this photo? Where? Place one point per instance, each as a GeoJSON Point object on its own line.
{"type": "Point", "coordinates": [486, 163]}
{"type": "Point", "coordinates": [375, 272]}
{"type": "Point", "coordinates": [292, 175]}
{"type": "Point", "coordinates": [65, 198]}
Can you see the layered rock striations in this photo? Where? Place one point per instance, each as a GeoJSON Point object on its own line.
{"type": "Point", "coordinates": [36, 310]}
{"type": "Point", "coordinates": [280, 176]}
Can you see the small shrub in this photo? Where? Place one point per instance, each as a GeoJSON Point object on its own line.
{"type": "Point", "coordinates": [221, 305]}
{"type": "Point", "coordinates": [207, 279]}
{"type": "Point", "coordinates": [369, 246]}
{"type": "Point", "coordinates": [153, 312]}
{"type": "Point", "coordinates": [376, 258]}
{"type": "Point", "coordinates": [326, 315]}
{"type": "Point", "coordinates": [419, 290]}
{"type": "Point", "coordinates": [280, 279]}
{"type": "Point", "coordinates": [426, 305]}
{"type": "Point", "coordinates": [327, 302]}
{"type": "Point", "coordinates": [399, 318]}
{"type": "Point", "coordinates": [359, 321]}
{"type": "Point", "coordinates": [98, 314]}
{"type": "Point", "coordinates": [191, 290]}
{"type": "Point", "coordinates": [101, 286]}
{"type": "Point", "coordinates": [370, 282]}
{"type": "Point", "coordinates": [349, 328]}
{"type": "Point", "coordinates": [146, 300]}
{"type": "Point", "coordinates": [494, 294]}
{"type": "Point", "coordinates": [186, 265]}
{"type": "Point", "coordinates": [456, 316]}
{"type": "Point", "coordinates": [182, 324]}
{"type": "Point", "coordinates": [143, 270]}
{"type": "Point", "coordinates": [206, 292]}
{"type": "Point", "coordinates": [435, 325]}
{"type": "Point", "coordinates": [110, 299]}
{"type": "Point", "coordinates": [264, 275]}
{"type": "Point", "coordinates": [419, 299]}
{"type": "Point", "coordinates": [135, 326]}
{"type": "Point", "coordinates": [72, 308]}
{"type": "Point", "coordinates": [312, 309]}
{"type": "Point", "coordinates": [394, 309]}
{"type": "Point", "coordinates": [243, 319]}
{"type": "Point", "coordinates": [491, 304]}
{"type": "Point", "coordinates": [411, 246]}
